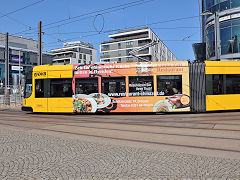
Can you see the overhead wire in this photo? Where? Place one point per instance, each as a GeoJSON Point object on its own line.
{"type": "Point", "coordinates": [17, 21]}
{"type": "Point", "coordinates": [113, 30]}
{"type": "Point", "coordinates": [126, 5]}
{"type": "Point", "coordinates": [102, 13]}
{"type": "Point", "coordinates": [29, 5]}
{"type": "Point", "coordinates": [84, 32]}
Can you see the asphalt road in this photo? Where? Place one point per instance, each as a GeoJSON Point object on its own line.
{"type": "Point", "coordinates": [173, 146]}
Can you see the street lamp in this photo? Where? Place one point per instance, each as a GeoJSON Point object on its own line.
{"type": "Point", "coordinates": [206, 13]}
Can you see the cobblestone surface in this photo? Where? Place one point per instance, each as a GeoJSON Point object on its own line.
{"type": "Point", "coordinates": [27, 156]}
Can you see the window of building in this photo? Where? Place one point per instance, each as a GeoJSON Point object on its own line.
{"type": "Point", "coordinates": [119, 53]}
{"type": "Point", "coordinates": [224, 5]}
{"type": "Point", "coordinates": [210, 42]}
{"type": "Point", "coordinates": [235, 3]}
{"type": "Point", "coordinates": [39, 88]}
{"type": "Point", "coordinates": [119, 45]}
{"type": "Point", "coordinates": [128, 50]}
{"type": "Point", "coordinates": [80, 56]}
{"type": "Point", "coordinates": [105, 46]}
{"type": "Point", "coordinates": [61, 88]}
{"type": "Point", "coordinates": [225, 36]}
{"type": "Point", "coordinates": [90, 58]}
{"type": "Point", "coordinates": [129, 43]}
{"type": "Point", "coordinates": [106, 53]}
{"type": "Point", "coordinates": [221, 5]}
{"type": "Point", "coordinates": [141, 86]}
{"type": "Point", "coordinates": [114, 86]}
{"type": "Point", "coordinates": [144, 50]}
{"type": "Point", "coordinates": [106, 60]}
{"type": "Point", "coordinates": [168, 85]}
{"type": "Point", "coordinates": [119, 60]}
{"type": "Point", "coordinates": [129, 58]}
{"type": "Point", "coordinates": [86, 85]}
{"type": "Point", "coordinates": [79, 61]}
{"type": "Point", "coordinates": [84, 56]}
{"type": "Point", "coordinates": [235, 42]}
{"type": "Point", "coordinates": [84, 62]}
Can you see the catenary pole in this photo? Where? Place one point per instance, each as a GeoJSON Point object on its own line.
{"type": "Point", "coordinates": [217, 36]}
{"type": "Point", "coordinates": [39, 43]}
{"type": "Point", "coordinates": [203, 22]}
{"type": "Point", "coordinates": [7, 100]}
{"type": "Point", "coordinates": [19, 76]}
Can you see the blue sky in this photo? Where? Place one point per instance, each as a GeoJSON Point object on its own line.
{"type": "Point", "coordinates": [151, 11]}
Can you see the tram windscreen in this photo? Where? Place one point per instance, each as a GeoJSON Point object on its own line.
{"type": "Point", "coordinates": [28, 85]}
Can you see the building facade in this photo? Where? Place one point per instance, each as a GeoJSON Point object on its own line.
{"type": "Point", "coordinates": [28, 56]}
{"type": "Point", "coordinates": [222, 29]}
{"type": "Point", "coordinates": [75, 53]}
{"type": "Point", "coordinates": [117, 50]}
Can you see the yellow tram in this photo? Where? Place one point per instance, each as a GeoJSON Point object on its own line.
{"type": "Point", "coordinates": [177, 86]}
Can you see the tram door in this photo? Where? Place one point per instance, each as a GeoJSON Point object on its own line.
{"type": "Point", "coordinates": [41, 94]}
{"type": "Point", "coordinates": [60, 95]}
{"type": "Point", "coordinates": [60, 91]}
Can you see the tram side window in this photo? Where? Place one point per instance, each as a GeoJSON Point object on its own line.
{"type": "Point", "coordinates": [168, 85]}
{"type": "Point", "coordinates": [114, 86]}
{"type": "Point", "coordinates": [233, 84]}
{"type": "Point", "coordinates": [86, 85]}
{"type": "Point", "coordinates": [141, 86]}
{"type": "Point", "coordinates": [39, 88]}
{"type": "Point", "coordinates": [215, 84]}
{"type": "Point", "coordinates": [28, 85]}
{"type": "Point", "coordinates": [61, 88]}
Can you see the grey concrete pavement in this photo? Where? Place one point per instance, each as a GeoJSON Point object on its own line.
{"type": "Point", "coordinates": [174, 146]}
{"type": "Point", "coordinates": [32, 156]}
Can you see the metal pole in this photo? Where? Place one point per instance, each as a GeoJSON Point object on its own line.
{"type": "Point", "coordinates": [203, 22]}
{"type": "Point", "coordinates": [19, 78]}
{"type": "Point", "coordinates": [40, 43]}
{"type": "Point", "coordinates": [7, 100]}
{"type": "Point", "coordinates": [217, 36]}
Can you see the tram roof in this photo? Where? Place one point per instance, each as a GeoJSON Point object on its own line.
{"type": "Point", "coordinates": [222, 63]}
{"type": "Point", "coordinates": [153, 64]}
{"type": "Point", "coordinates": [53, 68]}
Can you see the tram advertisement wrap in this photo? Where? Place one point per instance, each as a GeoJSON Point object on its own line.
{"type": "Point", "coordinates": [131, 87]}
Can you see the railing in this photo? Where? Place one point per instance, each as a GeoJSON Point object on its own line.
{"type": "Point", "coordinates": [105, 49]}
{"type": "Point", "coordinates": [61, 57]}
{"type": "Point", "coordinates": [143, 52]}
{"type": "Point", "coordinates": [129, 46]}
{"type": "Point", "coordinates": [142, 44]}
{"type": "Point", "coordinates": [130, 37]}
{"type": "Point", "coordinates": [11, 97]}
{"type": "Point", "coordinates": [105, 56]}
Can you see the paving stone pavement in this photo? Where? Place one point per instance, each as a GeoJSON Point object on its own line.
{"type": "Point", "coordinates": [30, 156]}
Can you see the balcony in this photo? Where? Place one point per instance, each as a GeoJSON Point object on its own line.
{"type": "Point", "coordinates": [129, 46]}
{"type": "Point", "coordinates": [105, 56]}
{"type": "Point", "coordinates": [62, 57]}
{"type": "Point", "coordinates": [143, 52]}
{"type": "Point", "coordinates": [105, 49]}
{"type": "Point", "coordinates": [127, 38]}
{"type": "Point", "coordinates": [143, 42]}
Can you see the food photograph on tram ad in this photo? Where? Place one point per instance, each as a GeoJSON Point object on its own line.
{"type": "Point", "coordinates": [131, 87]}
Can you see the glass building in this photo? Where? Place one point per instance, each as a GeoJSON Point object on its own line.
{"type": "Point", "coordinates": [222, 29]}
